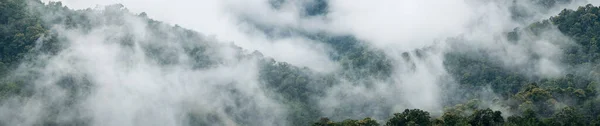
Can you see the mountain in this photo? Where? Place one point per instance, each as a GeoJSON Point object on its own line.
{"type": "Point", "coordinates": [110, 66]}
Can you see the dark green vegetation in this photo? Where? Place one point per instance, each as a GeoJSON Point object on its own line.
{"type": "Point", "coordinates": [570, 100]}
{"type": "Point", "coordinates": [20, 29]}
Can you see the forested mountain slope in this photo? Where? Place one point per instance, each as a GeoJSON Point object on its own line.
{"type": "Point", "coordinates": [565, 101]}
{"type": "Point", "coordinates": [60, 66]}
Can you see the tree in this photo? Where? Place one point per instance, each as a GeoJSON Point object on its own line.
{"type": "Point", "coordinates": [453, 119]}
{"type": "Point", "coordinates": [368, 122]}
{"type": "Point", "coordinates": [410, 117]}
{"type": "Point", "coordinates": [486, 117]}
{"type": "Point", "coordinates": [529, 118]}
{"type": "Point", "coordinates": [324, 122]}
{"type": "Point", "coordinates": [568, 116]}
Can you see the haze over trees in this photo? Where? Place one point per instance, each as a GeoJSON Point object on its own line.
{"type": "Point", "coordinates": [110, 66]}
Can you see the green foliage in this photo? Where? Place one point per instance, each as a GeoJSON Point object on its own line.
{"type": "Point", "coordinates": [410, 117]}
{"type": "Point", "coordinates": [358, 61]}
{"type": "Point", "coordinates": [454, 119]}
{"type": "Point", "coordinates": [529, 118]}
{"type": "Point", "coordinates": [474, 72]}
{"type": "Point", "coordinates": [348, 122]}
{"type": "Point", "coordinates": [19, 30]}
{"type": "Point", "coordinates": [486, 117]}
{"type": "Point", "coordinates": [583, 26]}
{"type": "Point", "coordinates": [568, 116]}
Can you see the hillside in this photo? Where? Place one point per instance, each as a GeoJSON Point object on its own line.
{"type": "Point", "coordinates": [110, 66]}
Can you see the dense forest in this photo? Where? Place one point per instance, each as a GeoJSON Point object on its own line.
{"type": "Point", "coordinates": [31, 30]}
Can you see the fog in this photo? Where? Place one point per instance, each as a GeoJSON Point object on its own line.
{"type": "Point", "coordinates": [154, 80]}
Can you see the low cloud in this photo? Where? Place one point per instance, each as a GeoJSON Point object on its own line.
{"type": "Point", "coordinates": [154, 79]}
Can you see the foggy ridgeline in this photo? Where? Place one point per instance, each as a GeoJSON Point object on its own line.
{"type": "Point", "coordinates": [517, 63]}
